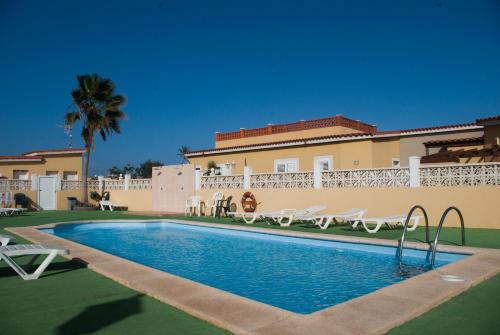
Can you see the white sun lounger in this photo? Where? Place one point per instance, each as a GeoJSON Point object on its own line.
{"type": "Point", "coordinates": [5, 212]}
{"type": "Point", "coordinates": [112, 206]}
{"type": "Point", "coordinates": [5, 239]}
{"type": "Point", "coordinates": [389, 221]}
{"type": "Point", "coordinates": [251, 217]}
{"type": "Point", "coordinates": [35, 250]}
{"type": "Point", "coordinates": [285, 218]}
{"type": "Point", "coordinates": [11, 211]}
{"type": "Point", "coordinates": [16, 211]}
{"type": "Point", "coordinates": [324, 220]}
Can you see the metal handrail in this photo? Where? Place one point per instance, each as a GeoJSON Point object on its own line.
{"type": "Point", "coordinates": [436, 238]}
{"type": "Point", "coordinates": [399, 252]}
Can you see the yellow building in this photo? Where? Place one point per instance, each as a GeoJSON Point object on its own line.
{"type": "Point", "coordinates": [342, 143]}
{"type": "Point", "coordinates": [64, 163]}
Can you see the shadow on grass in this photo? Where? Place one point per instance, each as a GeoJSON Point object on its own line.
{"type": "Point", "coordinates": [97, 317]}
{"type": "Point", "coordinates": [52, 270]}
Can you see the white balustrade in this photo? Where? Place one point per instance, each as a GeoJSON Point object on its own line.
{"type": "Point", "coordinates": [15, 185]}
{"type": "Point", "coordinates": [385, 177]}
{"type": "Point", "coordinates": [480, 174]}
{"type": "Point", "coordinates": [140, 184]}
{"type": "Point", "coordinates": [93, 185]}
{"type": "Point", "coordinates": [221, 182]}
{"type": "Point", "coordinates": [113, 184]}
{"type": "Point", "coordinates": [282, 180]}
{"type": "Point", "coordinates": [71, 185]}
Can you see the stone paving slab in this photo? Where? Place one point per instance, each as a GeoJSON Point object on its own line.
{"type": "Point", "coordinates": [373, 313]}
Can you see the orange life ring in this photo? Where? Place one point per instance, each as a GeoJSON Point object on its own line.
{"type": "Point", "coordinates": [248, 202]}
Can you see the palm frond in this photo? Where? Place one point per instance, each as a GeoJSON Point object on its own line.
{"type": "Point", "coordinates": [71, 117]}
{"type": "Point", "coordinates": [99, 107]}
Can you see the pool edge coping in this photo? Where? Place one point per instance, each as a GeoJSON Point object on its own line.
{"type": "Point", "coordinates": [245, 316]}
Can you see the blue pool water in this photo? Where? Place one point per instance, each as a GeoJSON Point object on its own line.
{"type": "Point", "coordinates": [297, 274]}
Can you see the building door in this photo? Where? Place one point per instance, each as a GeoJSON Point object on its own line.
{"type": "Point", "coordinates": [172, 185]}
{"type": "Point", "coordinates": [47, 192]}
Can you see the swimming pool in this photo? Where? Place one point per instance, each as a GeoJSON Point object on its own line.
{"type": "Point", "coordinates": [296, 274]}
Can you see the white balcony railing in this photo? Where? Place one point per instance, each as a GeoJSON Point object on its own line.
{"type": "Point", "coordinates": [139, 184]}
{"type": "Point", "coordinates": [15, 185]}
{"type": "Point", "coordinates": [93, 185]}
{"type": "Point", "coordinates": [113, 184]}
{"type": "Point", "coordinates": [481, 174]}
{"type": "Point", "coordinates": [222, 182]}
{"type": "Point", "coordinates": [386, 177]}
{"type": "Point", "coordinates": [282, 180]}
{"type": "Point", "coordinates": [71, 184]}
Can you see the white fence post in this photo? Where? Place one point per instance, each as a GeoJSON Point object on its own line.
{"type": "Point", "coordinates": [414, 164]}
{"type": "Point", "coordinates": [317, 173]}
{"type": "Point", "coordinates": [100, 179]}
{"type": "Point", "coordinates": [126, 182]}
{"type": "Point", "coordinates": [34, 182]}
{"type": "Point", "coordinates": [247, 172]}
{"type": "Point", "coordinates": [58, 183]}
{"type": "Point", "coordinates": [197, 180]}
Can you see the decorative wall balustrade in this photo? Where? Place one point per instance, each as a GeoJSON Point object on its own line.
{"type": "Point", "coordinates": [460, 175]}
{"type": "Point", "coordinates": [282, 180]}
{"type": "Point", "coordinates": [391, 177]}
{"type": "Point", "coordinates": [113, 184]}
{"type": "Point", "coordinates": [108, 184]}
{"type": "Point", "coordinates": [15, 185]}
{"type": "Point", "coordinates": [71, 184]}
{"type": "Point", "coordinates": [221, 182]}
{"type": "Point", "coordinates": [140, 184]}
{"type": "Point", "coordinates": [93, 185]}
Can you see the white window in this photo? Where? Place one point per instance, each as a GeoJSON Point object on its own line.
{"type": "Point", "coordinates": [21, 174]}
{"type": "Point", "coordinates": [70, 175]}
{"type": "Point", "coordinates": [324, 162]}
{"type": "Point", "coordinates": [396, 162]}
{"type": "Point", "coordinates": [51, 173]}
{"type": "Point", "coordinates": [286, 165]}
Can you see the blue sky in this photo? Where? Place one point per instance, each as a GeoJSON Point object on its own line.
{"type": "Point", "coordinates": [189, 68]}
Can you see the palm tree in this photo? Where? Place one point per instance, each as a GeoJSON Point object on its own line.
{"type": "Point", "coordinates": [99, 108]}
{"type": "Point", "coordinates": [183, 150]}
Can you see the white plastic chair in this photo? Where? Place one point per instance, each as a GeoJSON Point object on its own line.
{"type": "Point", "coordinates": [193, 203]}
{"type": "Point", "coordinates": [215, 198]}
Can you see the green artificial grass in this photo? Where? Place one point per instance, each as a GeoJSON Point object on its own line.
{"type": "Point", "coordinates": [475, 311]}
{"type": "Point", "coordinates": [70, 299]}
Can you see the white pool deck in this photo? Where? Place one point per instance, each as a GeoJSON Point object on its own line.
{"type": "Point", "coordinates": [373, 313]}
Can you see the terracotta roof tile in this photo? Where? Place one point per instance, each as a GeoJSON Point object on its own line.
{"type": "Point", "coordinates": [405, 131]}
{"type": "Point", "coordinates": [488, 119]}
{"type": "Point", "coordinates": [271, 129]}
{"type": "Point", "coordinates": [309, 139]}
{"type": "Point", "coordinates": [456, 141]}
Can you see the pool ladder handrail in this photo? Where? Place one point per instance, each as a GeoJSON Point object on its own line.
{"type": "Point", "coordinates": [433, 245]}
{"type": "Point", "coordinates": [399, 252]}
{"type": "Point", "coordinates": [438, 231]}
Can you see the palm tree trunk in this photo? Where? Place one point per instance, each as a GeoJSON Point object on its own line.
{"type": "Point", "coordinates": [86, 161]}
